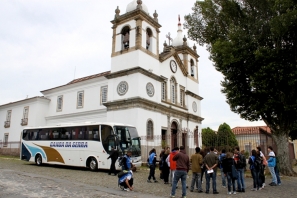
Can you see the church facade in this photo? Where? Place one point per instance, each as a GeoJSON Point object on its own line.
{"type": "Point", "coordinates": [155, 90]}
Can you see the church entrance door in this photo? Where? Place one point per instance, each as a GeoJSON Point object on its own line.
{"type": "Point", "coordinates": [174, 134]}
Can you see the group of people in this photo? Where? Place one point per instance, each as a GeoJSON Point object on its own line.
{"type": "Point", "coordinates": [174, 166]}
{"type": "Point", "coordinates": [258, 163]}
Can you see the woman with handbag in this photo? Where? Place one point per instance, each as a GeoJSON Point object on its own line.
{"type": "Point", "coordinates": [230, 172]}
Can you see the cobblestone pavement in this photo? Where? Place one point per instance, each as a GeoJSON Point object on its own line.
{"type": "Point", "coordinates": [22, 179]}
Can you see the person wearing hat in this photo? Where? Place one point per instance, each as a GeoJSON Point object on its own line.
{"type": "Point", "coordinates": [271, 164]}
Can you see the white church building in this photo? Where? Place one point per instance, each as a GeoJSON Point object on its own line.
{"type": "Point", "coordinates": [154, 89]}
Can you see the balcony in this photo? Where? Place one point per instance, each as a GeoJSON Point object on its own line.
{"type": "Point", "coordinates": [6, 124]}
{"type": "Point", "coordinates": [24, 121]}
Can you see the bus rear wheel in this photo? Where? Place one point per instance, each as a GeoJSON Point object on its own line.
{"type": "Point", "coordinates": [93, 165]}
{"type": "Point", "coordinates": [38, 160]}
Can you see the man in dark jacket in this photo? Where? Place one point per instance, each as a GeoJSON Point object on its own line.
{"type": "Point", "coordinates": [113, 156]}
{"type": "Point", "coordinates": [182, 168]}
{"type": "Point", "coordinates": [240, 164]}
{"type": "Point", "coordinates": [211, 161]}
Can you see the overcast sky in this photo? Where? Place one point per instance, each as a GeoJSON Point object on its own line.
{"type": "Point", "coordinates": [43, 41]}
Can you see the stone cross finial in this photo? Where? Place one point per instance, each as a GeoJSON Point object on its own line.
{"type": "Point", "coordinates": [155, 16]}
{"type": "Point", "coordinates": [139, 6]}
{"type": "Point", "coordinates": [117, 11]}
{"type": "Point", "coordinates": [185, 40]}
{"type": "Point", "coordinates": [194, 48]}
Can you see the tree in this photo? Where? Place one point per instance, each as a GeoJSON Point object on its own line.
{"type": "Point", "coordinates": [293, 134]}
{"type": "Point", "coordinates": [226, 138]}
{"type": "Point", "coordinates": [209, 137]}
{"type": "Point", "coordinates": [254, 45]}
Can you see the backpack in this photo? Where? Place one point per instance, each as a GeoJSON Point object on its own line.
{"type": "Point", "coordinates": [257, 163]}
{"type": "Point", "coordinates": [121, 161]}
{"type": "Point", "coordinates": [221, 158]}
{"type": "Point", "coordinates": [122, 173]}
{"type": "Point", "coordinates": [242, 161]}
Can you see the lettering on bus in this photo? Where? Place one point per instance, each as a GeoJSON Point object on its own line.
{"type": "Point", "coordinates": [69, 144]}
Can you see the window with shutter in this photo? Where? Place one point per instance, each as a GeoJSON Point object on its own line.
{"type": "Point", "coordinates": [5, 143]}
{"type": "Point", "coordinates": [150, 130]}
{"type": "Point", "coordinates": [163, 91]}
{"type": "Point", "coordinates": [173, 90]}
{"type": "Point", "coordinates": [80, 99]}
{"type": "Point", "coordinates": [104, 94]}
{"type": "Point", "coordinates": [59, 103]}
{"type": "Point", "coordinates": [182, 94]}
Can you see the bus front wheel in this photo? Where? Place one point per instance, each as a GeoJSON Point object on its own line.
{"type": "Point", "coordinates": [38, 159]}
{"type": "Point", "coordinates": [93, 165]}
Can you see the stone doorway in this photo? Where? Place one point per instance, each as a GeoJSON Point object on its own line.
{"type": "Point", "coordinates": [174, 134]}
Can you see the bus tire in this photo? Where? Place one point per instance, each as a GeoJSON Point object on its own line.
{"type": "Point", "coordinates": [93, 164]}
{"type": "Point", "coordinates": [38, 160]}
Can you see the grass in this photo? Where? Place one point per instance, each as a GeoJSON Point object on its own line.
{"type": "Point", "coordinates": [9, 157]}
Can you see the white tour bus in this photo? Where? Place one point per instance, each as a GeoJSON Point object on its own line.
{"type": "Point", "coordinates": [85, 145]}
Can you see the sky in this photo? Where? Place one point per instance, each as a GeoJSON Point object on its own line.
{"type": "Point", "coordinates": [48, 43]}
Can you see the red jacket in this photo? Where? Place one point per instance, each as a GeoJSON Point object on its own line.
{"type": "Point", "coordinates": [172, 163]}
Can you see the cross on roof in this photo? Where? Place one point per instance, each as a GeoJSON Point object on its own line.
{"type": "Point", "coordinates": [169, 38]}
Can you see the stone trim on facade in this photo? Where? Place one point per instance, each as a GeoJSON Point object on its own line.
{"type": "Point", "coordinates": [180, 64]}
{"type": "Point", "coordinates": [193, 95]}
{"type": "Point", "coordinates": [133, 71]}
{"type": "Point", "coordinates": [137, 102]}
{"type": "Point", "coordinates": [136, 14]}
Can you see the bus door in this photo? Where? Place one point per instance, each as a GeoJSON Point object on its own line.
{"type": "Point", "coordinates": [109, 142]}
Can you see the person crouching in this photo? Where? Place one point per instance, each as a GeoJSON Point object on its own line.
{"type": "Point", "coordinates": [126, 181]}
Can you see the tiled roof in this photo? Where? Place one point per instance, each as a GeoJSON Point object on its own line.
{"type": "Point", "coordinates": [88, 77]}
{"type": "Point", "coordinates": [251, 130]}
{"type": "Point", "coordinates": [27, 99]}
{"type": "Point", "coordinates": [81, 80]}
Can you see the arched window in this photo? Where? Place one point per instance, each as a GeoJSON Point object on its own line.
{"type": "Point", "coordinates": [149, 129]}
{"type": "Point", "coordinates": [149, 35]}
{"type": "Point", "coordinates": [125, 37]}
{"type": "Point", "coordinates": [173, 90]}
{"type": "Point", "coordinates": [192, 67]}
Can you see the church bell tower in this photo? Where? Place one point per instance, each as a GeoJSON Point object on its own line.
{"type": "Point", "coordinates": [135, 40]}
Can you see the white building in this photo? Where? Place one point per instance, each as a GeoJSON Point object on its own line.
{"type": "Point", "coordinates": [158, 92]}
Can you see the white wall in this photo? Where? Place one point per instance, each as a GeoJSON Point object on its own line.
{"type": "Point", "coordinates": [132, 59]}
{"type": "Point", "coordinates": [36, 117]}
{"type": "Point", "coordinates": [91, 98]}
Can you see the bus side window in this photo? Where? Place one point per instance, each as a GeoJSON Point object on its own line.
{"type": "Point", "coordinates": [63, 132]}
{"type": "Point", "coordinates": [75, 132]}
{"type": "Point", "coordinates": [56, 135]}
{"type": "Point", "coordinates": [68, 134]}
{"type": "Point", "coordinates": [43, 134]}
{"type": "Point", "coordinates": [31, 135]}
{"type": "Point", "coordinates": [25, 135]}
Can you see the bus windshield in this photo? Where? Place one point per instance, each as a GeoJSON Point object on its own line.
{"type": "Point", "coordinates": [128, 139]}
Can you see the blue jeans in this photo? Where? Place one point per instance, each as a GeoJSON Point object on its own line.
{"type": "Point", "coordinates": [240, 179]}
{"type": "Point", "coordinates": [196, 179]}
{"type": "Point", "coordinates": [277, 175]}
{"type": "Point", "coordinates": [271, 169]}
{"type": "Point", "coordinates": [223, 178]}
{"type": "Point", "coordinates": [256, 178]}
{"type": "Point", "coordinates": [230, 181]}
{"type": "Point", "coordinates": [213, 176]}
{"type": "Point", "coordinates": [152, 172]}
{"type": "Point", "coordinates": [180, 174]}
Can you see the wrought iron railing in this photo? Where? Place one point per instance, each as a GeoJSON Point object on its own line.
{"type": "Point", "coordinates": [24, 121]}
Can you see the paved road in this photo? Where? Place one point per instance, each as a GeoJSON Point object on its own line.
{"type": "Point", "coordinates": [19, 179]}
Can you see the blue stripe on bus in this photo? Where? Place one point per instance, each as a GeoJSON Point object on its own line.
{"type": "Point", "coordinates": [35, 150]}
